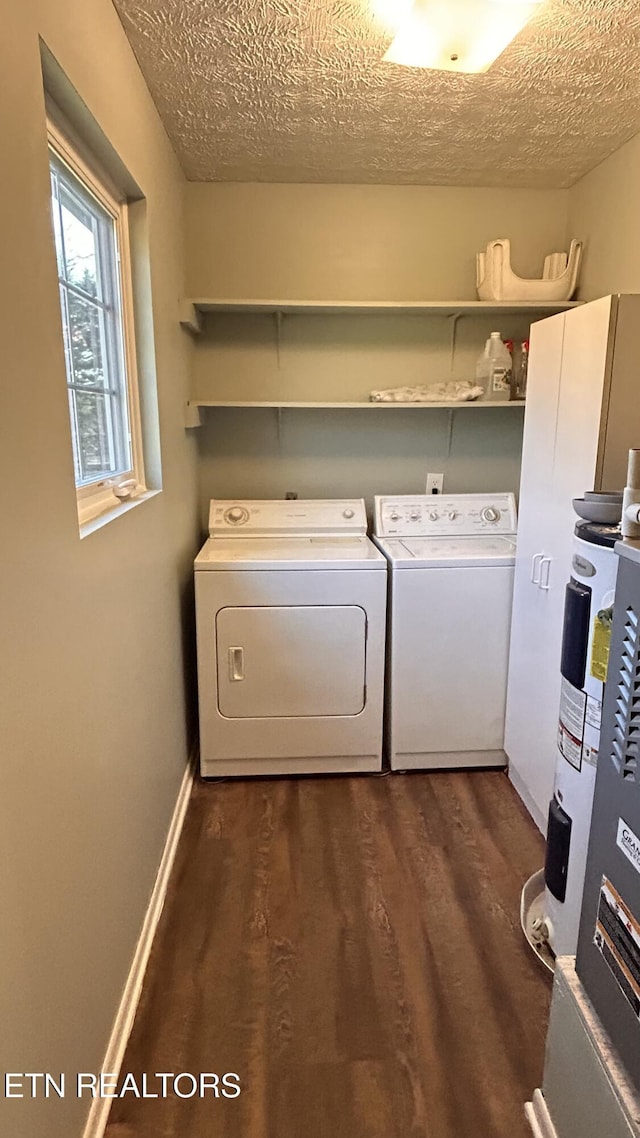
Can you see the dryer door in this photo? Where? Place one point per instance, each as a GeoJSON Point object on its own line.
{"type": "Point", "coordinates": [291, 662]}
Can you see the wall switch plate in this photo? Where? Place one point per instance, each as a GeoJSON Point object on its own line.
{"type": "Point", "coordinates": [435, 483]}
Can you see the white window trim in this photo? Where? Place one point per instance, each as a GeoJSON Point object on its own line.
{"type": "Point", "coordinates": [107, 494]}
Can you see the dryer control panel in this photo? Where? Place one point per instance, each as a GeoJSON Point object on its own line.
{"type": "Point", "coordinates": [444, 515]}
{"type": "Point", "coordinates": [297, 518]}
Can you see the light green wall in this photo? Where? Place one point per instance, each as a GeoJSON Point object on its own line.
{"type": "Point", "coordinates": [603, 210]}
{"type": "Point", "coordinates": [360, 242]}
{"type": "Point", "coordinates": [357, 453]}
{"type": "Point", "coordinates": [352, 243]}
{"type": "Point", "coordinates": [93, 637]}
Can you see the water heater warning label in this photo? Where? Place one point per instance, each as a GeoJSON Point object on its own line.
{"type": "Point", "coordinates": [617, 937]}
{"type": "Point", "coordinates": [571, 723]}
{"type": "Point", "coordinates": [578, 726]}
{"type": "Point", "coordinates": [601, 643]}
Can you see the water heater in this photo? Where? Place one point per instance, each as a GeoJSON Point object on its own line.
{"type": "Point", "coordinates": [588, 618]}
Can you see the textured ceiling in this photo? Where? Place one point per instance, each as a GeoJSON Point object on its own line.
{"type": "Point", "coordinates": [295, 91]}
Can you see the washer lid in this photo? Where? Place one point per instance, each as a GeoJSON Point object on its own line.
{"type": "Point", "coordinates": [444, 552]}
{"type": "Point", "coordinates": [298, 553]}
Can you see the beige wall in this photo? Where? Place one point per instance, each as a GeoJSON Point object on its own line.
{"type": "Point", "coordinates": [335, 454]}
{"type": "Point", "coordinates": [603, 210]}
{"type": "Point", "coordinates": [360, 242]}
{"type": "Point", "coordinates": [352, 243]}
{"type": "Point", "coordinates": [93, 691]}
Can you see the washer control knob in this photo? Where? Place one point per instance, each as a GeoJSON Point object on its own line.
{"type": "Point", "coordinates": [394, 516]}
{"type": "Point", "coordinates": [433, 515]}
{"type": "Point", "coordinates": [490, 514]}
{"type": "Point", "coordinates": [415, 515]}
{"type": "Point", "coordinates": [236, 516]}
{"type": "Point", "coordinates": [452, 515]}
{"type": "Point", "coordinates": [348, 513]}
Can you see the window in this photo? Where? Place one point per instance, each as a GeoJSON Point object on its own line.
{"type": "Point", "coordinates": [90, 231]}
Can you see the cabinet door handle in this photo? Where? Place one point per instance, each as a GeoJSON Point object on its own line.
{"type": "Point", "coordinates": [236, 664]}
{"type": "Point", "coordinates": [544, 580]}
{"type": "Point", "coordinates": [536, 562]}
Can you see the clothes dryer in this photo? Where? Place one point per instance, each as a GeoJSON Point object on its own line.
{"type": "Point", "coordinates": [290, 609]}
{"type": "Point", "coordinates": [451, 561]}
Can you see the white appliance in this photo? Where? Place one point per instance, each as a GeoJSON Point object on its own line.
{"type": "Point", "coordinates": [290, 611]}
{"type": "Point", "coordinates": [451, 562]}
{"type": "Point", "coordinates": [588, 617]}
{"type": "Point", "coordinates": [582, 414]}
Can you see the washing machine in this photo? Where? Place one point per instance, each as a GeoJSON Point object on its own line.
{"type": "Point", "coordinates": [588, 618]}
{"type": "Point", "coordinates": [290, 615]}
{"type": "Point", "coordinates": [451, 561]}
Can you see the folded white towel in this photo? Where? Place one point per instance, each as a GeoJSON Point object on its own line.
{"type": "Point", "coordinates": [458, 391]}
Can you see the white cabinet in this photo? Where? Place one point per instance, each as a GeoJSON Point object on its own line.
{"type": "Point", "coordinates": [582, 415]}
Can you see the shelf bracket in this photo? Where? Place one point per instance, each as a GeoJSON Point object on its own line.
{"type": "Point", "coordinates": [278, 317]}
{"type": "Point", "coordinates": [189, 317]}
{"type": "Point", "coordinates": [449, 431]}
{"type": "Point", "coordinates": [192, 416]}
{"type": "Point", "coordinates": [454, 317]}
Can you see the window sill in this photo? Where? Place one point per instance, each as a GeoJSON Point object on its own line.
{"type": "Point", "coordinates": [116, 511]}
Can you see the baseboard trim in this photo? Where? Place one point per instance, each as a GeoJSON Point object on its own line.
{"type": "Point", "coordinates": [538, 1116]}
{"type": "Point", "coordinates": [123, 1022]}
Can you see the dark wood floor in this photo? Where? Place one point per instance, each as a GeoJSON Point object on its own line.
{"type": "Point", "coordinates": [351, 948]}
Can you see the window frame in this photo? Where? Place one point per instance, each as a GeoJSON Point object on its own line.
{"type": "Point", "coordinates": [99, 496]}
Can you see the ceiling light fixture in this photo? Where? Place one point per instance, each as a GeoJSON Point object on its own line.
{"type": "Point", "coordinates": [390, 14]}
{"type": "Point", "coordinates": [458, 35]}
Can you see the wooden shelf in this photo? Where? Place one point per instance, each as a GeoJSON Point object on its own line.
{"type": "Point", "coordinates": [193, 308]}
{"type": "Point", "coordinates": [487, 405]}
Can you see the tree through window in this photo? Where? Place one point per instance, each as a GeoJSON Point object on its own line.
{"type": "Point", "coordinates": [88, 255]}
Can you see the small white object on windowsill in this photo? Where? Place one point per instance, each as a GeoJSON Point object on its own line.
{"type": "Point", "coordinates": [124, 490]}
{"type": "Point", "coordinates": [454, 392]}
{"type": "Point", "coordinates": [496, 280]}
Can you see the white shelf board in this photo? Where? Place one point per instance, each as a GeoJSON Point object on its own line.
{"type": "Point", "coordinates": [487, 404]}
{"type": "Point", "coordinates": [369, 307]}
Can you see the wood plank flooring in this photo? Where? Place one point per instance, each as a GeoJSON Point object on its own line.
{"type": "Point", "coordinates": [351, 948]}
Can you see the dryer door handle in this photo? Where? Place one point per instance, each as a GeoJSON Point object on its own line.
{"type": "Point", "coordinates": [235, 657]}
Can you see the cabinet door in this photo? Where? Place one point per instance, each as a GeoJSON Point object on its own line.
{"type": "Point", "coordinates": [579, 423]}
{"type": "Point", "coordinates": [580, 412]}
{"type": "Point", "coordinates": [532, 709]}
{"type": "Point", "coordinates": [568, 372]}
{"type": "Point", "coordinates": [622, 428]}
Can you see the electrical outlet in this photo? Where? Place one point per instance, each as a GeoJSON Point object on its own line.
{"type": "Point", "coordinates": [435, 483]}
